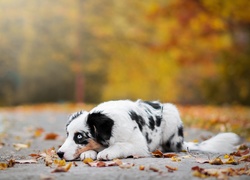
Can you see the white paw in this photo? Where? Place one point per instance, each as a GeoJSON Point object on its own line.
{"type": "Point", "coordinates": [88, 154]}
{"type": "Point", "coordinates": [108, 154]}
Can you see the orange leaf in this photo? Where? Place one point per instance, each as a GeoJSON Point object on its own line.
{"type": "Point", "coordinates": [51, 136]}
{"type": "Point", "coordinates": [157, 153]}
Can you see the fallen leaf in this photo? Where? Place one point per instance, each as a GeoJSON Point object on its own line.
{"type": "Point", "coordinates": [62, 168]}
{"type": "Point", "coordinates": [124, 165]}
{"type": "Point", "coordinates": [101, 164]}
{"type": "Point", "coordinates": [38, 132]}
{"type": "Point", "coordinates": [26, 161]}
{"type": "Point", "coordinates": [219, 173]}
{"type": "Point", "coordinates": [243, 147]}
{"type": "Point", "coordinates": [87, 160]}
{"type": "Point", "coordinates": [157, 153]}
{"type": "Point", "coordinates": [169, 155]}
{"type": "Point", "coordinates": [245, 158]}
{"type": "Point", "coordinates": [171, 169]}
{"type": "Point", "coordinates": [50, 136]}
{"type": "Point", "coordinates": [59, 162]}
{"type": "Point", "coordinates": [154, 169]}
{"type": "Point", "coordinates": [3, 166]}
{"type": "Point", "coordinates": [175, 159]}
{"type": "Point", "coordinates": [141, 167]}
{"type": "Point", "coordinates": [35, 156]}
{"type": "Point", "coordinates": [231, 160]}
{"type": "Point", "coordinates": [216, 161]}
{"type": "Point", "coordinates": [11, 163]}
{"type": "Point", "coordinates": [19, 146]}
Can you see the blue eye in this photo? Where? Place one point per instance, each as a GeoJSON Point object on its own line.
{"type": "Point", "coordinates": [79, 136]}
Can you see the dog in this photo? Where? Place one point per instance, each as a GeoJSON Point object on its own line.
{"type": "Point", "coordinates": [124, 128]}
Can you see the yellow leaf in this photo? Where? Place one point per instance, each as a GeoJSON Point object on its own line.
{"type": "Point", "coordinates": [87, 160]}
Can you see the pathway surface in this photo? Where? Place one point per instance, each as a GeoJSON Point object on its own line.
{"type": "Point", "coordinates": [19, 127]}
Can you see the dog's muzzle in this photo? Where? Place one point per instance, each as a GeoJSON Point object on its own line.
{"type": "Point", "coordinates": [60, 154]}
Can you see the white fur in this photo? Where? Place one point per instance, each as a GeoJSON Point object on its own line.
{"type": "Point", "coordinates": [127, 139]}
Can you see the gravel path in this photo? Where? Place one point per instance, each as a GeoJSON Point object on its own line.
{"type": "Point", "coordinates": [19, 127]}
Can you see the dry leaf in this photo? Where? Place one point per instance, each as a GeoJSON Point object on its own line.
{"type": "Point", "coordinates": [154, 169]}
{"type": "Point", "coordinates": [243, 147]}
{"type": "Point", "coordinates": [157, 153]}
{"type": "Point", "coordinates": [216, 161]}
{"type": "Point", "coordinates": [141, 167]}
{"type": "Point", "coordinates": [9, 164]}
{"type": "Point", "coordinates": [88, 160]}
{"type": "Point", "coordinates": [26, 161]}
{"type": "Point", "coordinates": [231, 160]}
{"type": "Point", "coordinates": [123, 165]}
{"type": "Point", "coordinates": [171, 169]}
{"type": "Point", "coordinates": [50, 136]}
{"type": "Point", "coordinates": [38, 132]}
{"type": "Point", "coordinates": [19, 146]}
{"type": "Point", "coordinates": [62, 168]}
{"type": "Point", "coordinates": [35, 156]}
{"type": "Point", "coordinates": [3, 166]}
{"type": "Point", "coordinates": [59, 162]}
{"type": "Point", "coordinates": [245, 158]}
{"type": "Point", "coordinates": [169, 155]}
{"type": "Point", "coordinates": [175, 159]}
{"type": "Point", "coordinates": [220, 173]}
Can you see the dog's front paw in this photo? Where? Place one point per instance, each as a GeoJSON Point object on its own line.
{"type": "Point", "coordinates": [108, 154]}
{"type": "Point", "coordinates": [88, 154]}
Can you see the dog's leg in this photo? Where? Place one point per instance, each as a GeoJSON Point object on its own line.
{"type": "Point", "coordinates": [122, 150]}
{"type": "Point", "coordinates": [89, 154]}
{"type": "Point", "coordinates": [172, 129]}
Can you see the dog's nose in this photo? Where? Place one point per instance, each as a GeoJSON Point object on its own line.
{"type": "Point", "coordinates": [60, 154]}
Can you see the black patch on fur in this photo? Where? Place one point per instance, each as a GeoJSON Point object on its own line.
{"type": "Point", "coordinates": [100, 127]}
{"type": "Point", "coordinates": [151, 123]}
{"type": "Point", "coordinates": [148, 139]}
{"type": "Point", "coordinates": [154, 105]}
{"type": "Point", "coordinates": [158, 121]}
{"type": "Point", "coordinates": [180, 131]}
{"type": "Point", "coordinates": [138, 119]}
{"type": "Point", "coordinates": [168, 143]}
{"type": "Point", "coordinates": [179, 146]}
{"type": "Point", "coordinates": [80, 138]}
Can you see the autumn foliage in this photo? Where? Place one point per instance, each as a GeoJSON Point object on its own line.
{"type": "Point", "coordinates": [191, 52]}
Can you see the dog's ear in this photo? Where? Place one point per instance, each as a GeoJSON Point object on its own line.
{"type": "Point", "coordinates": [100, 126]}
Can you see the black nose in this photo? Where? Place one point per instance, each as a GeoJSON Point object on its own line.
{"type": "Point", "coordinates": [60, 154]}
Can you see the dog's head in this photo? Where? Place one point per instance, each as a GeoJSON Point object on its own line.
{"type": "Point", "coordinates": [84, 132]}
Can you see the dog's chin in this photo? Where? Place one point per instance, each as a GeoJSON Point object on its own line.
{"type": "Point", "coordinates": [71, 158]}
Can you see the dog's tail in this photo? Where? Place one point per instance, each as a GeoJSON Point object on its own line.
{"type": "Point", "coordinates": [221, 143]}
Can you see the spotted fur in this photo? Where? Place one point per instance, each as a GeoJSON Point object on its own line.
{"type": "Point", "coordinates": [124, 128]}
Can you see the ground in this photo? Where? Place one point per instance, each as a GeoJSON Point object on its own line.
{"type": "Point", "coordinates": [20, 125]}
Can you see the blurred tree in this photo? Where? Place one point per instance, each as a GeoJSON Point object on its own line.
{"type": "Point", "coordinates": [84, 50]}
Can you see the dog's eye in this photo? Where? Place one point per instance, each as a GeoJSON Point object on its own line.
{"type": "Point", "coordinates": [79, 136]}
{"type": "Point", "coordinates": [80, 139]}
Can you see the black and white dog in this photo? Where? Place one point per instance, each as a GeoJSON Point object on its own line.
{"type": "Point", "coordinates": [119, 129]}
